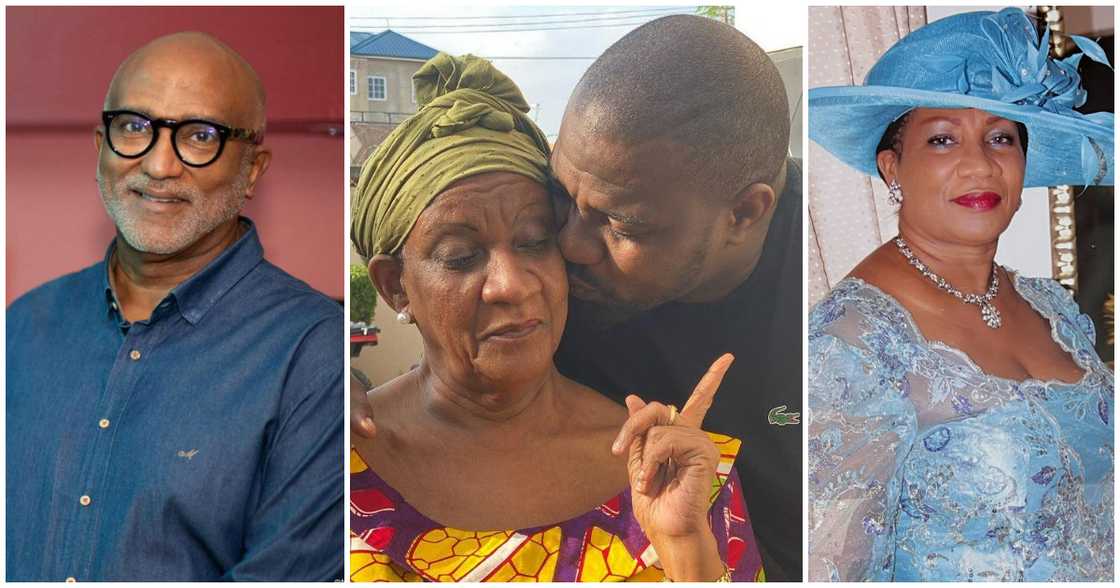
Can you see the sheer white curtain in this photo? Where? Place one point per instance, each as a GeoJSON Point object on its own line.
{"type": "Point", "coordinates": [849, 215]}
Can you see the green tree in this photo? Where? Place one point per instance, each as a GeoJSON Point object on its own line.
{"type": "Point", "coordinates": [363, 296]}
{"type": "Point", "coordinates": [724, 14]}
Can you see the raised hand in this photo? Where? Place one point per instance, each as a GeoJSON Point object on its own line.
{"type": "Point", "coordinates": [671, 463]}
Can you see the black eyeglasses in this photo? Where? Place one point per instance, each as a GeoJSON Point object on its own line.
{"type": "Point", "coordinates": [197, 142]}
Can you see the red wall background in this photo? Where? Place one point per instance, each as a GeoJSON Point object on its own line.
{"type": "Point", "coordinates": [59, 63]}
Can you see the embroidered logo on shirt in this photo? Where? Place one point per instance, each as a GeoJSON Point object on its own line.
{"type": "Point", "coordinates": [187, 454]}
{"type": "Point", "coordinates": [779, 416]}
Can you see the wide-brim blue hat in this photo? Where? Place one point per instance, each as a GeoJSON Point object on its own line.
{"type": "Point", "coordinates": [984, 60]}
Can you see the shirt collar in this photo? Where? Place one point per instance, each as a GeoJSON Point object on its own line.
{"type": "Point", "coordinates": [198, 293]}
{"type": "Point", "coordinates": [111, 307]}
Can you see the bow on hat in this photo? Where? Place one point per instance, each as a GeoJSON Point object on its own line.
{"type": "Point", "coordinates": [1016, 68]}
{"type": "Point", "coordinates": [1021, 71]}
{"type": "Point", "coordinates": [993, 62]}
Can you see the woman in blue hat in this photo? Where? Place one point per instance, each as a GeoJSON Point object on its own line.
{"type": "Point", "coordinates": [960, 419]}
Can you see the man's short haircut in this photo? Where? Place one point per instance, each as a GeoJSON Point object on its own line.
{"type": "Point", "coordinates": [701, 84]}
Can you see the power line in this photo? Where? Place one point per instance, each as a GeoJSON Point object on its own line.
{"type": "Point", "coordinates": [637, 12]}
{"type": "Point", "coordinates": [538, 58]}
{"type": "Point", "coordinates": [422, 28]}
{"type": "Point", "coordinates": [575, 58]}
{"type": "Point", "coordinates": [475, 32]}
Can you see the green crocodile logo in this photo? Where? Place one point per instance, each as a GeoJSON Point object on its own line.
{"type": "Point", "coordinates": [779, 416]}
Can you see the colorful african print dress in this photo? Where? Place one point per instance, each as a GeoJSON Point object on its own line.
{"type": "Point", "coordinates": [390, 541]}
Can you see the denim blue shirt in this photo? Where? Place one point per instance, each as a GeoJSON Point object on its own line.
{"type": "Point", "coordinates": [204, 443]}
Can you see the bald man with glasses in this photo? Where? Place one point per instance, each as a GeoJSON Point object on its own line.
{"type": "Point", "coordinates": [174, 411]}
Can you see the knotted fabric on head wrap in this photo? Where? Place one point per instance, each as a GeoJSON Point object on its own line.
{"type": "Point", "coordinates": [472, 120]}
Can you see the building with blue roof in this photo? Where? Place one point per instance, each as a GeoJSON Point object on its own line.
{"type": "Point", "coordinates": [380, 86]}
{"type": "Point", "coordinates": [389, 44]}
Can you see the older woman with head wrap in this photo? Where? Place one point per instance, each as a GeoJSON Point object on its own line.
{"type": "Point", "coordinates": [487, 464]}
{"type": "Point", "coordinates": [961, 421]}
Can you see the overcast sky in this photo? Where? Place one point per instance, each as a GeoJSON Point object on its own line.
{"type": "Point", "coordinates": [508, 35]}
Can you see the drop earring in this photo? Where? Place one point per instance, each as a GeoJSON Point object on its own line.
{"type": "Point", "coordinates": [894, 193]}
{"type": "Point", "coordinates": [404, 317]}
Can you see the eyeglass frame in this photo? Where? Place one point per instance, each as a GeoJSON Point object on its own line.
{"type": "Point", "coordinates": [224, 134]}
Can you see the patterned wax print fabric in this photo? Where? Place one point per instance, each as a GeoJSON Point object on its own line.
{"type": "Point", "coordinates": [924, 468]}
{"type": "Point", "coordinates": [391, 542]}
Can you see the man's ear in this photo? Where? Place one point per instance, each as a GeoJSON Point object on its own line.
{"type": "Point", "coordinates": [385, 272]}
{"type": "Point", "coordinates": [750, 206]}
{"type": "Point", "coordinates": [261, 160]}
{"type": "Point", "coordinates": [98, 137]}
{"type": "Point", "coordinates": [887, 160]}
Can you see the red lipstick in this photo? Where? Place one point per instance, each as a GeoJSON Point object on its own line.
{"type": "Point", "coordinates": [979, 200]}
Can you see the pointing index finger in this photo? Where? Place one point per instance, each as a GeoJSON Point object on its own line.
{"type": "Point", "coordinates": [696, 408]}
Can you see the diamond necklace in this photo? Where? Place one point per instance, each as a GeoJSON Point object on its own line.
{"type": "Point", "coordinates": [988, 311]}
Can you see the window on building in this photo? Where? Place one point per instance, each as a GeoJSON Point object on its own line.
{"type": "Point", "coordinates": [376, 88]}
{"type": "Point", "coordinates": [353, 82]}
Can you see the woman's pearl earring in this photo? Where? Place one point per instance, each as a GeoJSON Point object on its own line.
{"type": "Point", "coordinates": [404, 317]}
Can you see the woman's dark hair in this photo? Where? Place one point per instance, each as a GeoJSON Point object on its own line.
{"type": "Point", "coordinates": [892, 137]}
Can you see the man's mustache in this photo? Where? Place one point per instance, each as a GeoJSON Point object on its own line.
{"type": "Point", "coordinates": [163, 189]}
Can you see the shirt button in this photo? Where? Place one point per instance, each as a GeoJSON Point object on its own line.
{"type": "Point", "coordinates": [103, 423]}
{"type": "Point", "coordinates": [85, 500]}
{"type": "Point", "coordinates": [71, 580]}
{"type": "Point", "coordinates": [135, 355]}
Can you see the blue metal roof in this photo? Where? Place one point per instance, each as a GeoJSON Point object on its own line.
{"type": "Point", "coordinates": [357, 37]}
{"type": "Point", "coordinates": [389, 43]}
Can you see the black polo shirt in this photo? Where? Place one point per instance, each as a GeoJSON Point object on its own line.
{"type": "Point", "coordinates": [661, 354]}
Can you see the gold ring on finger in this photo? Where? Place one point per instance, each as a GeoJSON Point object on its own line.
{"type": "Point", "coordinates": [672, 415]}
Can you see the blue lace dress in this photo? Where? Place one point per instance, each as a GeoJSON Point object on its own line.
{"type": "Point", "coordinates": [924, 468]}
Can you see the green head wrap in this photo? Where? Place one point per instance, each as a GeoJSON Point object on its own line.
{"type": "Point", "coordinates": [472, 120]}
